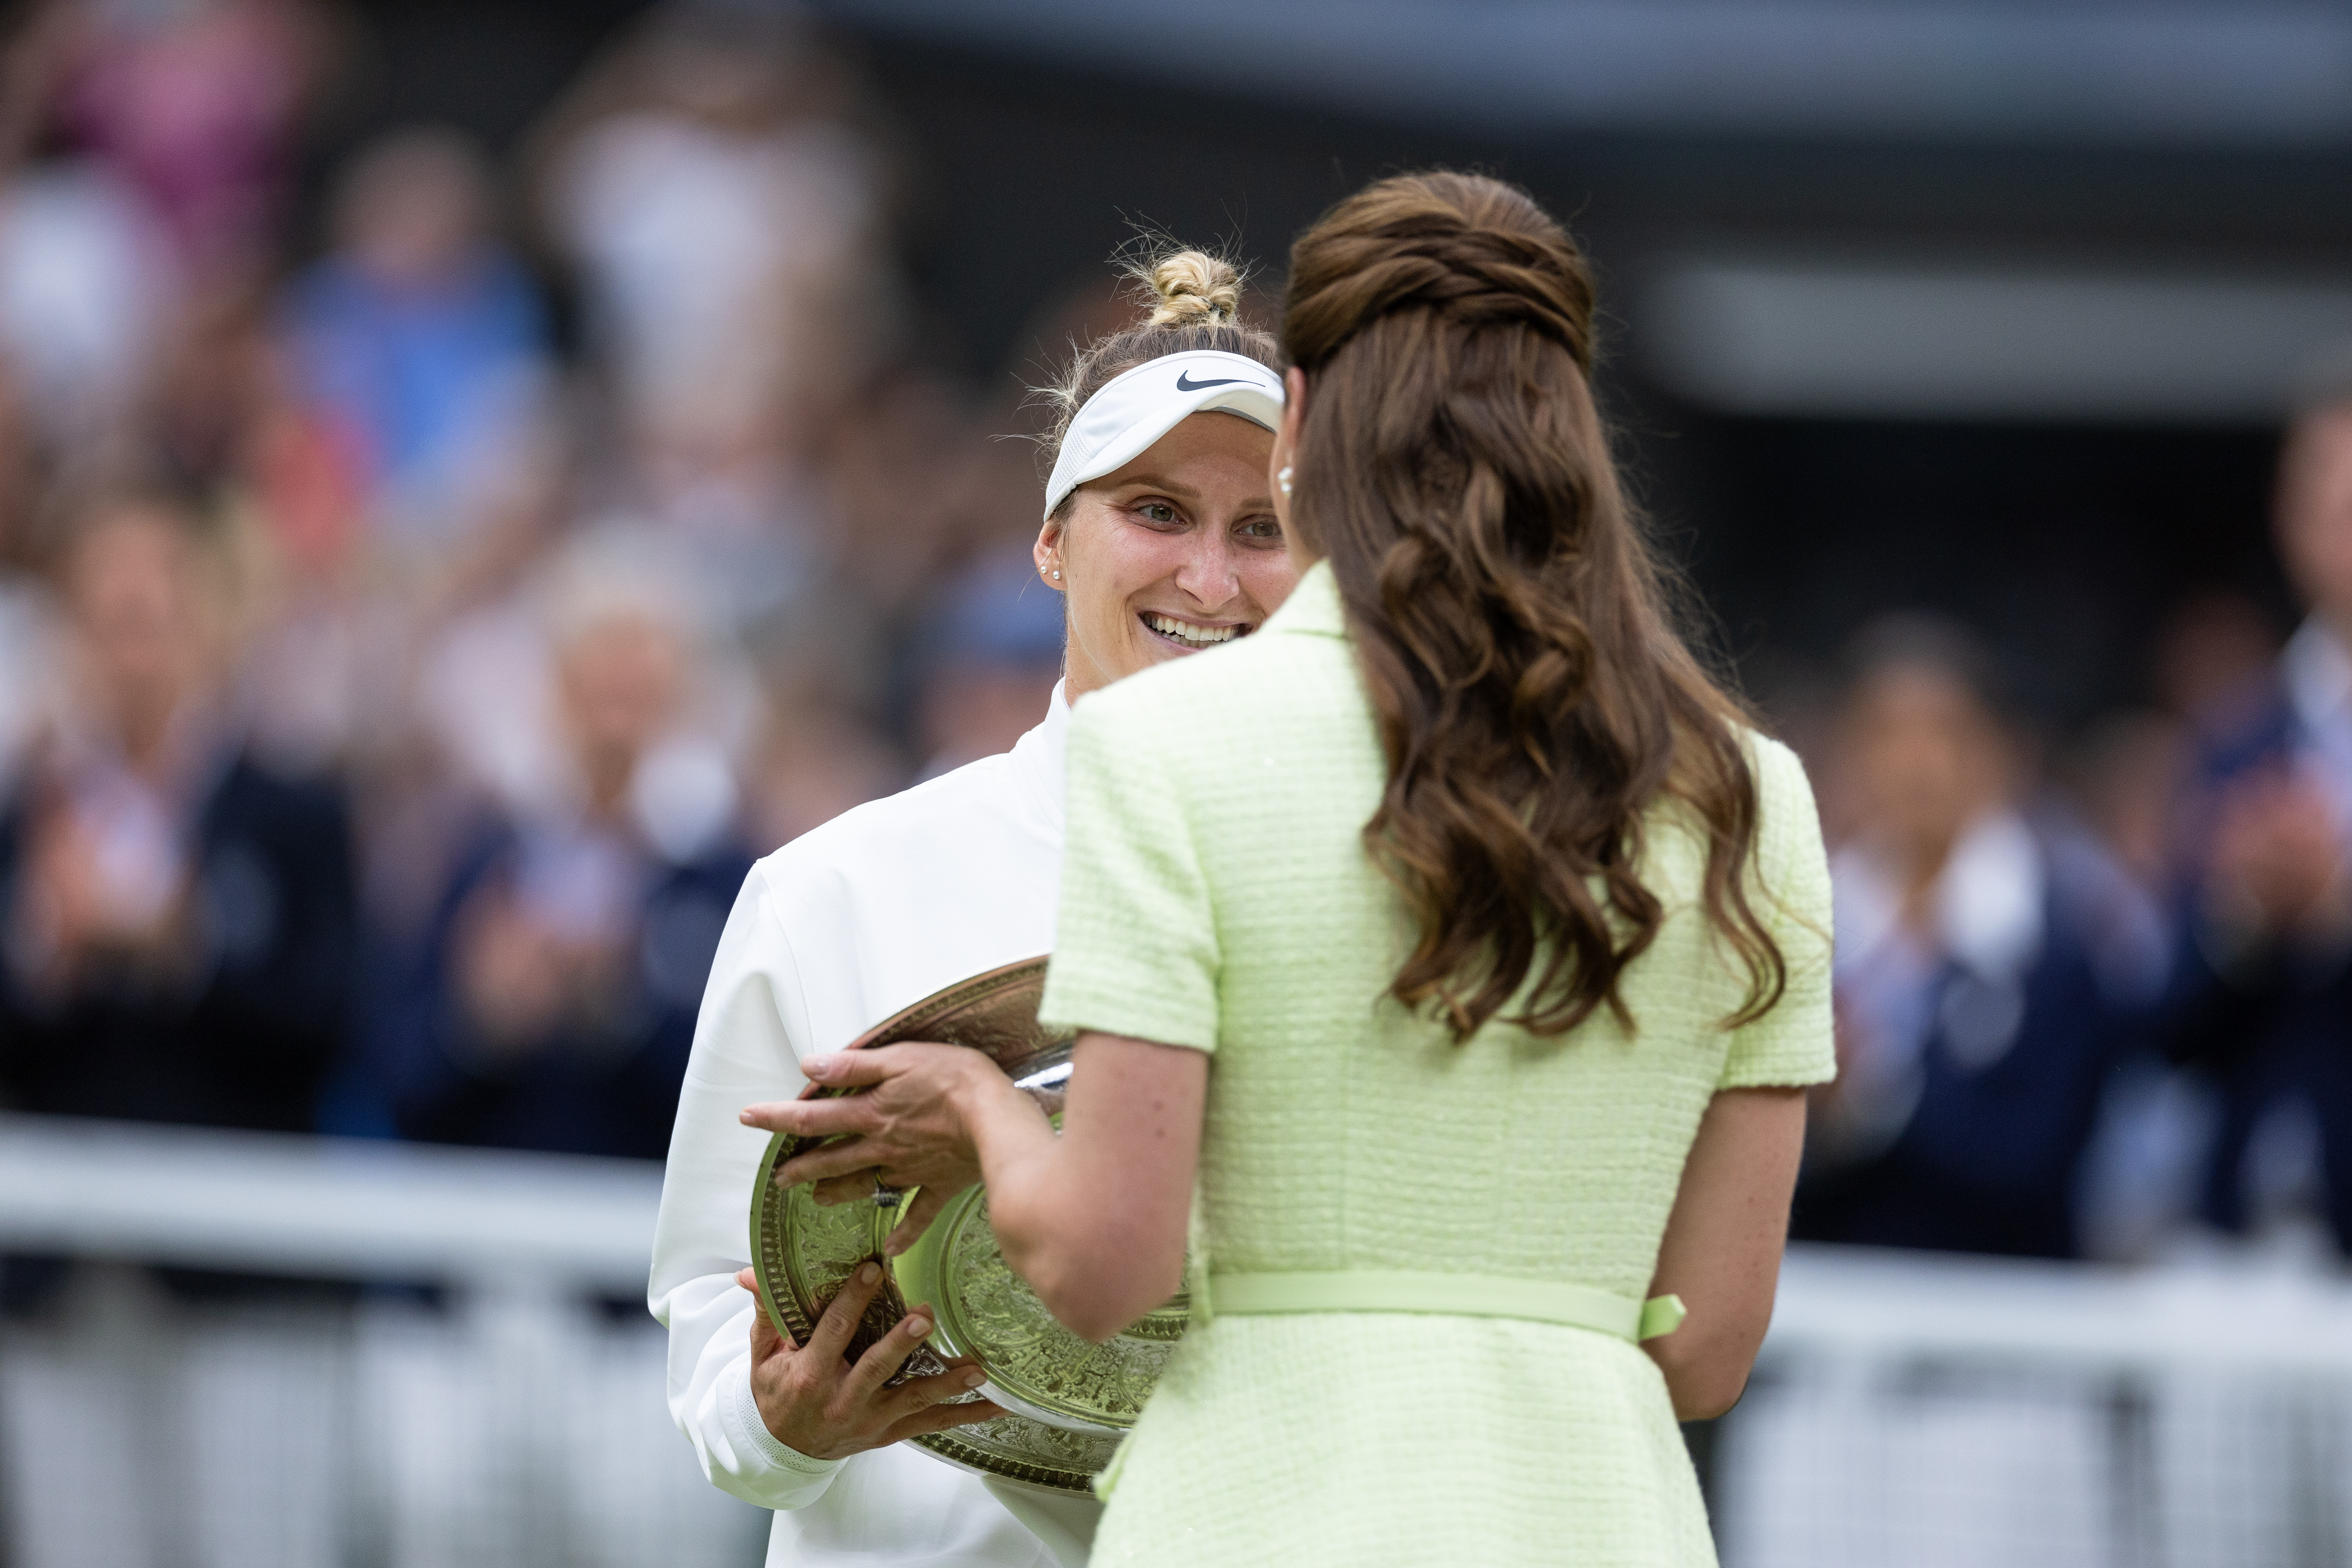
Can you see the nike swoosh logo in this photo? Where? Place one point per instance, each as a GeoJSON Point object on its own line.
{"type": "Point", "coordinates": [1184, 384]}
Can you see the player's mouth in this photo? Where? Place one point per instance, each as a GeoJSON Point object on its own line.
{"type": "Point", "coordinates": [1191, 636]}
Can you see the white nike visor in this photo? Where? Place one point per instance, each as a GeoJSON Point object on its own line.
{"type": "Point", "coordinates": [1136, 407]}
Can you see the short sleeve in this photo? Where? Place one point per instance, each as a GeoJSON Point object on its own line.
{"type": "Point", "coordinates": [1794, 1043]}
{"type": "Point", "coordinates": [1135, 951]}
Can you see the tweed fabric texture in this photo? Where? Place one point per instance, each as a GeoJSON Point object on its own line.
{"type": "Point", "coordinates": [1216, 894]}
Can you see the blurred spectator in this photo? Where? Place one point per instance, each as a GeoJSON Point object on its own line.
{"type": "Point", "coordinates": [2211, 652]}
{"type": "Point", "coordinates": [816, 760]}
{"type": "Point", "coordinates": [1993, 964]}
{"type": "Point", "coordinates": [27, 638]}
{"type": "Point", "coordinates": [178, 921]}
{"type": "Point", "coordinates": [195, 103]}
{"type": "Point", "coordinates": [913, 481]}
{"type": "Point", "coordinates": [992, 661]}
{"type": "Point", "coordinates": [724, 217]}
{"type": "Point", "coordinates": [419, 340]}
{"type": "Point", "coordinates": [2261, 990]}
{"type": "Point", "coordinates": [2126, 770]}
{"type": "Point", "coordinates": [85, 286]}
{"type": "Point", "coordinates": [554, 1000]}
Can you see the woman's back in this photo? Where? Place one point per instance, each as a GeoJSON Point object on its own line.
{"type": "Point", "coordinates": [1220, 806]}
{"type": "Point", "coordinates": [1343, 1131]}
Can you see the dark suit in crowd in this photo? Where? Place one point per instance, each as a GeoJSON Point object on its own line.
{"type": "Point", "coordinates": [598, 1073]}
{"type": "Point", "coordinates": [2268, 1021]}
{"type": "Point", "coordinates": [242, 1030]}
{"type": "Point", "coordinates": [2005, 1086]}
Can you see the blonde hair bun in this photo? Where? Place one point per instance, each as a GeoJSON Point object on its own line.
{"type": "Point", "coordinates": [1195, 303]}
{"type": "Point", "coordinates": [1194, 289]}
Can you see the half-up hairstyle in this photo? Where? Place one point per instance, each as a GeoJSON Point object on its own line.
{"type": "Point", "coordinates": [1195, 301]}
{"type": "Point", "coordinates": [1532, 696]}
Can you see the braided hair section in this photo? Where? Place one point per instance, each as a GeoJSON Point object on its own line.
{"type": "Point", "coordinates": [1533, 700]}
{"type": "Point", "coordinates": [1430, 261]}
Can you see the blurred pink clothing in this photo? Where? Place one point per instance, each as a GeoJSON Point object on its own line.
{"type": "Point", "coordinates": [195, 104]}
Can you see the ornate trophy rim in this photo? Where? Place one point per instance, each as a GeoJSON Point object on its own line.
{"type": "Point", "coordinates": [1068, 1402]}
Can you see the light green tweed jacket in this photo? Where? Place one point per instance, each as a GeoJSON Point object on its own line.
{"type": "Point", "coordinates": [1216, 895]}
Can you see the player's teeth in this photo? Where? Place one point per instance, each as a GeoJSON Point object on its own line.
{"type": "Point", "coordinates": [1183, 631]}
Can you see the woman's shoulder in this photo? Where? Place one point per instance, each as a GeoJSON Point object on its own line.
{"type": "Point", "coordinates": [1790, 858]}
{"type": "Point", "coordinates": [1788, 824]}
{"type": "Point", "coordinates": [1782, 782]}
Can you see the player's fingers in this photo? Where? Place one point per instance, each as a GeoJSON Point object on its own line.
{"type": "Point", "coordinates": [765, 1342]}
{"type": "Point", "coordinates": [851, 1069]}
{"type": "Point", "coordinates": [922, 1392]}
{"type": "Point", "coordinates": [838, 1158]}
{"type": "Point", "coordinates": [885, 1357]}
{"type": "Point", "coordinates": [766, 1339]}
{"type": "Point", "coordinates": [940, 1417]}
{"type": "Point", "coordinates": [845, 1311]}
{"type": "Point", "coordinates": [809, 1118]}
{"type": "Point", "coordinates": [914, 1218]}
{"type": "Point", "coordinates": [857, 1187]}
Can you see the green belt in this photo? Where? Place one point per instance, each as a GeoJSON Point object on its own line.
{"type": "Point", "coordinates": [1460, 1295]}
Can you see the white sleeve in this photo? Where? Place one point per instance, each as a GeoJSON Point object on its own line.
{"type": "Point", "coordinates": [747, 1043]}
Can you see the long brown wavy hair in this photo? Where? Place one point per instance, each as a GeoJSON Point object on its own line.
{"type": "Point", "coordinates": [1532, 696]}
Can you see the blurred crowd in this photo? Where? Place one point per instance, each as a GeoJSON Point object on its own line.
{"type": "Point", "coordinates": [422, 597]}
{"type": "Point", "coordinates": [2094, 983]}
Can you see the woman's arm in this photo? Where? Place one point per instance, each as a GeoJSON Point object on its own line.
{"type": "Point", "coordinates": [1093, 1219]}
{"type": "Point", "coordinates": [1722, 1248]}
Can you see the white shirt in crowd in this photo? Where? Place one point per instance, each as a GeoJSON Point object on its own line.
{"type": "Point", "coordinates": [833, 933]}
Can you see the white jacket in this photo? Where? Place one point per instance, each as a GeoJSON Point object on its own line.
{"type": "Point", "coordinates": [833, 933]}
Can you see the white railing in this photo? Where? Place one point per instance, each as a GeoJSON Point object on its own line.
{"type": "Point", "coordinates": [326, 1207]}
{"type": "Point", "coordinates": [1944, 1411]}
{"type": "Point", "coordinates": [493, 1396]}
{"type": "Point", "coordinates": [1908, 1409]}
{"type": "Point", "coordinates": [2232, 1315]}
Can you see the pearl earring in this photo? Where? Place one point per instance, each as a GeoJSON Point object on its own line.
{"type": "Point", "coordinates": [1282, 480]}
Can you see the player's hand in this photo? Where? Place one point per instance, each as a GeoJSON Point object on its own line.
{"type": "Point", "coordinates": [905, 1126]}
{"type": "Point", "coordinates": [814, 1402]}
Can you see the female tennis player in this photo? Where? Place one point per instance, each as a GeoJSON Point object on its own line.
{"type": "Point", "coordinates": [1161, 531]}
{"type": "Point", "coordinates": [1454, 935]}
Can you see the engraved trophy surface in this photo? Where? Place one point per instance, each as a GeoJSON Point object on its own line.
{"type": "Point", "coordinates": [1068, 1401]}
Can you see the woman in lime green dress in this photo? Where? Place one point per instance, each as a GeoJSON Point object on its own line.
{"type": "Point", "coordinates": [1450, 959]}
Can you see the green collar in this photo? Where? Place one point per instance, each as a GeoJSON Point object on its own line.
{"type": "Point", "coordinates": [1313, 607]}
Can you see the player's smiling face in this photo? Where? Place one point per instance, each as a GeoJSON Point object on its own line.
{"type": "Point", "coordinates": [1178, 551]}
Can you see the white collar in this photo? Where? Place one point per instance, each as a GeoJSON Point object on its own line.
{"type": "Point", "coordinates": [1039, 758]}
{"type": "Point", "coordinates": [2318, 673]}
